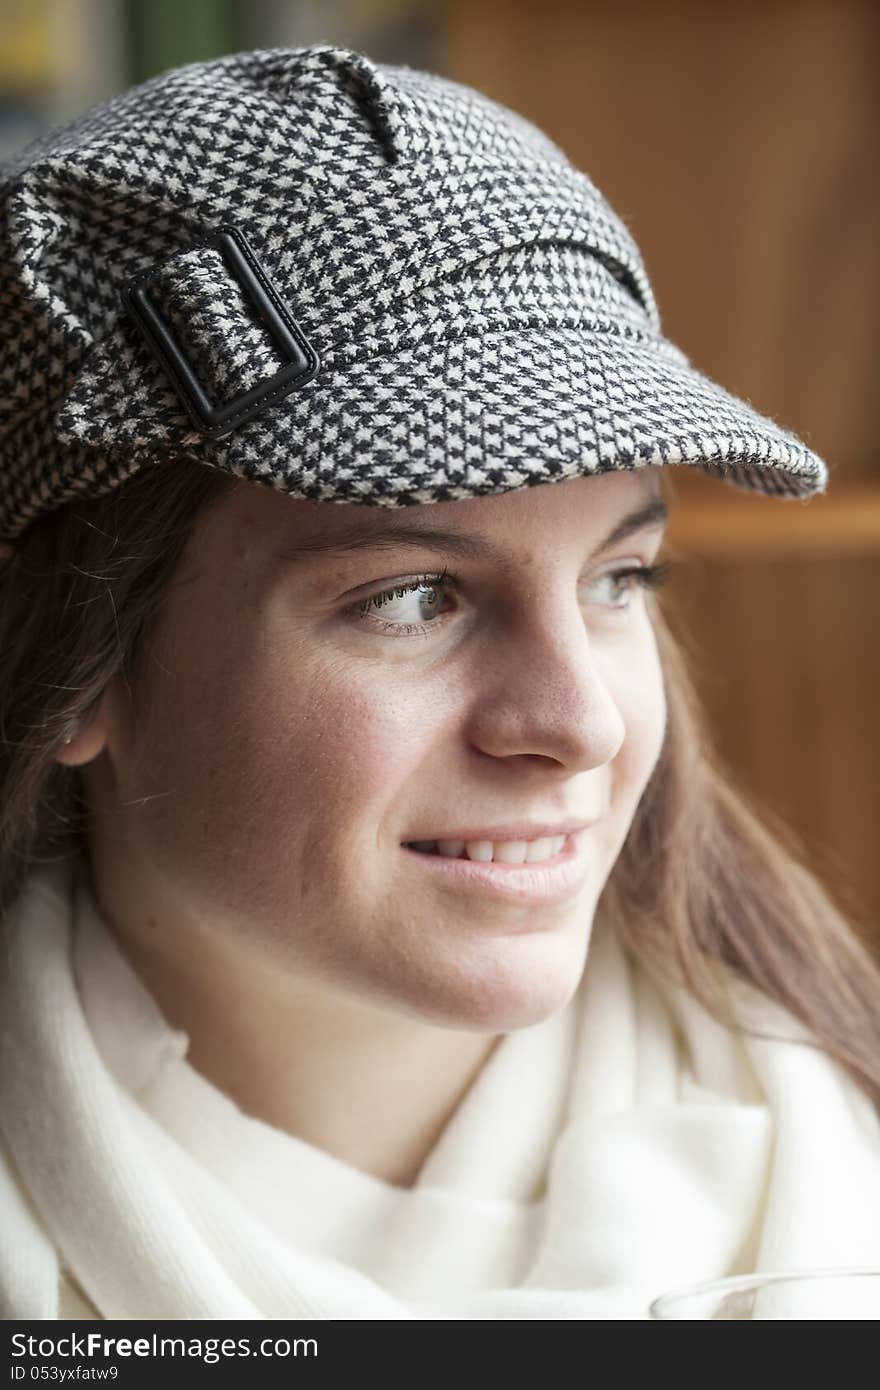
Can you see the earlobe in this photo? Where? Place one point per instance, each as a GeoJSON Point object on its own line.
{"type": "Point", "coordinates": [82, 745]}
{"type": "Point", "coordinates": [87, 737]}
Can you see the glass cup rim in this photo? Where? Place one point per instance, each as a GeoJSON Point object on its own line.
{"type": "Point", "coordinates": [735, 1283]}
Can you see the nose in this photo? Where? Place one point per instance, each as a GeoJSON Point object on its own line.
{"type": "Point", "coordinates": [546, 692]}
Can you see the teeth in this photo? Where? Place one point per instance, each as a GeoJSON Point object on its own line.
{"type": "Point", "coordinates": [544, 849]}
{"type": "Point", "coordinates": [481, 850]}
{"type": "Point", "coordinates": [451, 849]}
{"type": "Point", "coordinates": [501, 852]}
{"type": "Point", "coordinates": [510, 852]}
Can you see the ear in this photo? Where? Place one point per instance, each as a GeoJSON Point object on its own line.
{"type": "Point", "coordinates": [89, 738]}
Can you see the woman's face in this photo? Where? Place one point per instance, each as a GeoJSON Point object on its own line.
{"type": "Point", "coordinates": [260, 790]}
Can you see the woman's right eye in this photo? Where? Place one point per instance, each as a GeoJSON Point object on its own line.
{"type": "Point", "coordinates": [424, 588]}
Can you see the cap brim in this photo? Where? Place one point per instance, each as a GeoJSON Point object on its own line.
{"type": "Point", "coordinates": [481, 414]}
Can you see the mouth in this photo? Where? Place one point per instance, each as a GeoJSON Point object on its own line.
{"type": "Point", "coordinates": [511, 854]}
{"type": "Point", "coordinates": [554, 879]}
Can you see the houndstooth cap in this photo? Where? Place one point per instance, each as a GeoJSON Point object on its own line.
{"type": "Point", "coordinates": [347, 281]}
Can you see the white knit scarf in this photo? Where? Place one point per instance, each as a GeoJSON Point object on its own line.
{"type": "Point", "coordinates": [626, 1146]}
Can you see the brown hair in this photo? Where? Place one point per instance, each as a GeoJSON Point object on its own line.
{"type": "Point", "coordinates": [706, 889]}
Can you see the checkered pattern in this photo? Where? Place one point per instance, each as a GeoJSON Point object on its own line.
{"type": "Point", "coordinates": [482, 317]}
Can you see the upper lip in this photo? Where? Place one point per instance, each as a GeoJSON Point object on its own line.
{"type": "Point", "coordinates": [520, 830]}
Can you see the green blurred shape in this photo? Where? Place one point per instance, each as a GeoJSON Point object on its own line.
{"type": "Point", "coordinates": [164, 33]}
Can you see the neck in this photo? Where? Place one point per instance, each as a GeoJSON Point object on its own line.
{"type": "Point", "coordinates": [372, 1087]}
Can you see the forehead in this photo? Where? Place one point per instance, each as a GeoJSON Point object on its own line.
{"type": "Point", "coordinates": [599, 510]}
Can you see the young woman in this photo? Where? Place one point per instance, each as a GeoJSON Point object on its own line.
{"type": "Point", "coordinates": [381, 939]}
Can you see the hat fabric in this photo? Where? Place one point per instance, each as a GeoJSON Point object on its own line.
{"type": "Point", "coordinates": [347, 281]}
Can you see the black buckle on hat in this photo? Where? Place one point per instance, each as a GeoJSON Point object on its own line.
{"type": "Point", "coordinates": [302, 361]}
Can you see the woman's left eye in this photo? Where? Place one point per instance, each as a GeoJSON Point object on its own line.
{"type": "Point", "coordinates": [430, 586]}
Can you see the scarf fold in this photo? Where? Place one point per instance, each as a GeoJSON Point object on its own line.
{"type": "Point", "coordinates": [626, 1146]}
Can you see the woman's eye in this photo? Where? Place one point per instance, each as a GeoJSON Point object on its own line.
{"type": "Point", "coordinates": [417, 603]}
{"type": "Point", "coordinates": [417, 599]}
{"type": "Point", "coordinates": [626, 580]}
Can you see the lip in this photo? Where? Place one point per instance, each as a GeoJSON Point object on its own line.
{"type": "Point", "coordinates": [555, 880]}
{"type": "Point", "coordinates": [521, 830]}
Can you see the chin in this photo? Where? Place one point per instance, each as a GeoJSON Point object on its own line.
{"type": "Point", "coordinates": [511, 990]}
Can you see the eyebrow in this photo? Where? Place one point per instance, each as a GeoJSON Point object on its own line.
{"type": "Point", "coordinates": [348, 539]}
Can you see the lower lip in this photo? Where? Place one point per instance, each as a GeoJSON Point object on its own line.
{"type": "Point", "coordinates": [552, 881]}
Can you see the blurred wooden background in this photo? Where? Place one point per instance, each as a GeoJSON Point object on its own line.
{"type": "Point", "coordinates": [739, 142]}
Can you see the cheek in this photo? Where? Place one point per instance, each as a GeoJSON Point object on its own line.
{"type": "Point", "coordinates": [266, 747]}
{"type": "Point", "coordinates": [343, 744]}
{"type": "Point", "coordinates": [641, 698]}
